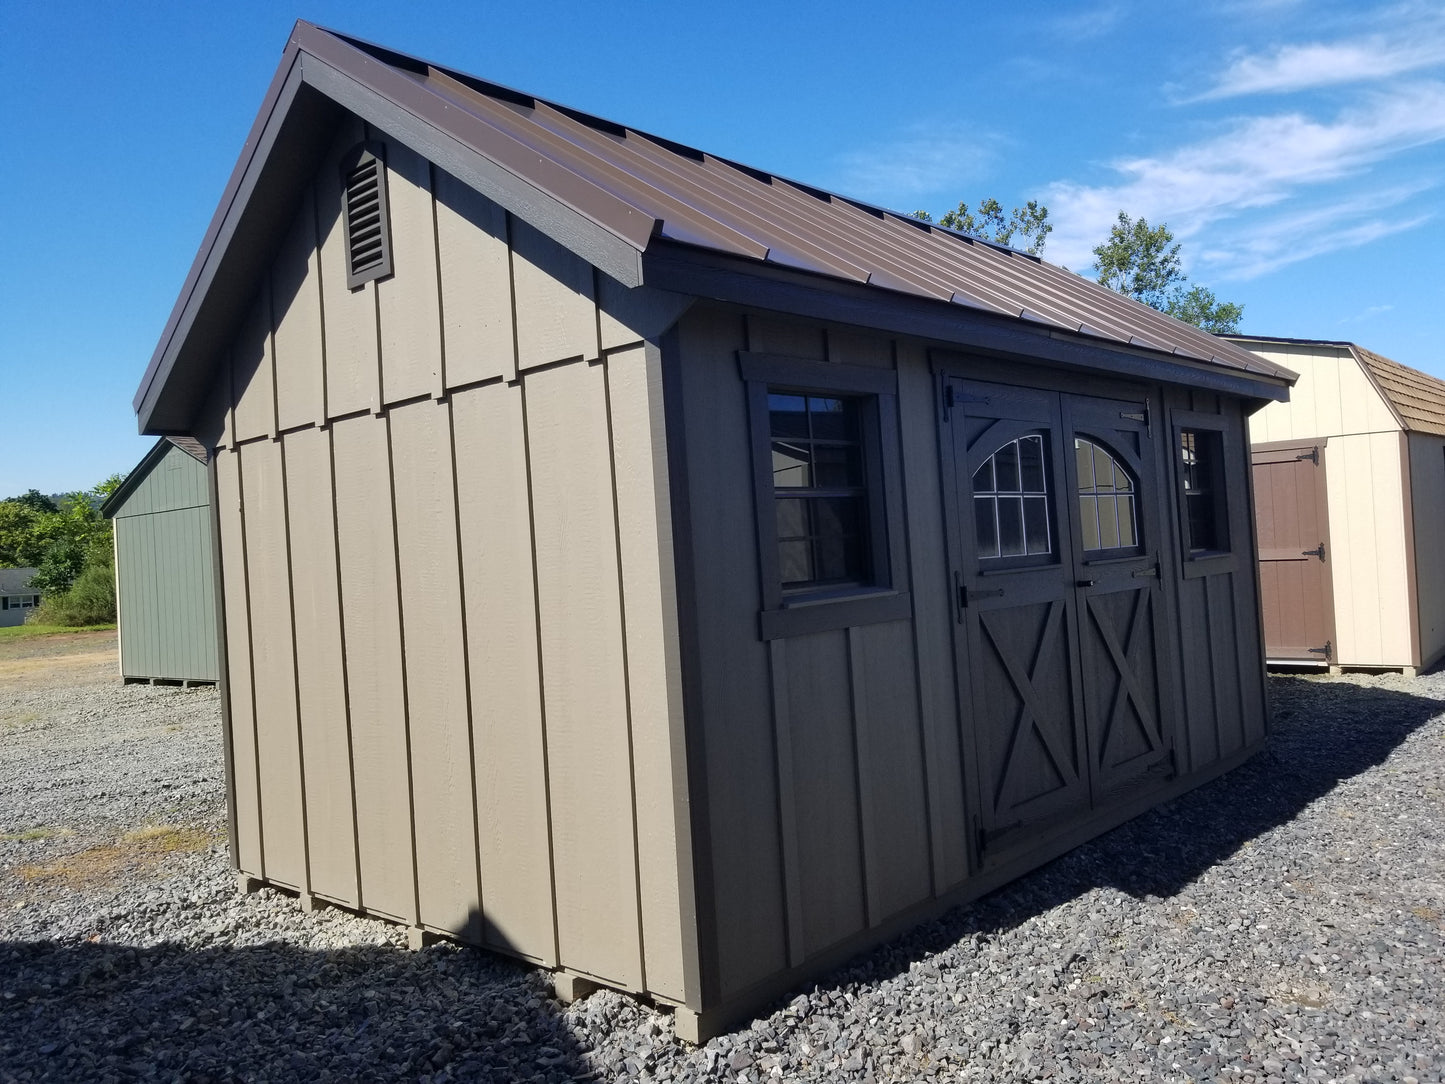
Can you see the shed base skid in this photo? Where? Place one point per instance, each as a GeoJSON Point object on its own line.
{"type": "Point", "coordinates": [184, 683]}
{"type": "Point", "coordinates": [1404, 671]}
{"type": "Point", "coordinates": [570, 986]}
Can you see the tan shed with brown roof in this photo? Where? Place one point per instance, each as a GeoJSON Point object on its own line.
{"type": "Point", "coordinates": [670, 574]}
{"type": "Point", "coordinates": [1352, 466]}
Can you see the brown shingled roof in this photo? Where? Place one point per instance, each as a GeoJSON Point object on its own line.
{"type": "Point", "coordinates": [1417, 398]}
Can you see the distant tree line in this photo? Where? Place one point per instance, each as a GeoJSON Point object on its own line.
{"type": "Point", "coordinates": [1136, 260]}
{"type": "Point", "coordinates": [68, 542]}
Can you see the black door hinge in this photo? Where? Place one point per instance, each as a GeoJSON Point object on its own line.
{"type": "Point", "coordinates": [1318, 551]}
{"type": "Point", "coordinates": [1313, 455]}
{"type": "Point", "coordinates": [1327, 651]}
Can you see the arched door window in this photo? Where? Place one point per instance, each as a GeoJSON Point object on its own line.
{"type": "Point", "coordinates": [1011, 501]}
{"type": "Point", "coordinates": [1107, 497]}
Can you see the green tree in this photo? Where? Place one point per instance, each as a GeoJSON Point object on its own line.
{"type": "Point", "coordinates": [1142, 262]}
{"type": "Point", "coordinates": [1029, 223]}
{"type": "Point", "coordinates": [35, 500]}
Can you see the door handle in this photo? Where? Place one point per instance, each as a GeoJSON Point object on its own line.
{"type": "Point", "coordinates": [1152, 570]}
{"type": "Point", "coordinates": [1084, 583]}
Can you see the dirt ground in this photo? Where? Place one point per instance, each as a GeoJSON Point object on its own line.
{"type": "Point", "coordinates": [62, 659]}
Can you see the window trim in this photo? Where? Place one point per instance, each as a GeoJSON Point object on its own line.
{"type": "Point", "coordinates": [1206, 562]}
{"type": "Point", "coordinates": [796, 613]}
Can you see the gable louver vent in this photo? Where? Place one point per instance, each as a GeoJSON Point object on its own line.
{"type": "Point", "coordinates": [368, 225]}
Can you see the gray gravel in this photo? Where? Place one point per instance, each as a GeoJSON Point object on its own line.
{"type": "Point", "coordinates": [1284, 923]}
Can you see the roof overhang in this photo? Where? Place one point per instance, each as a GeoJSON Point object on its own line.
{"type": "Point", "coordinates": [743, 282]}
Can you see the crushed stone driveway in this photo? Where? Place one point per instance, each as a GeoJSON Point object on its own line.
{"type": "Point", "coordinates": [1285, 923]}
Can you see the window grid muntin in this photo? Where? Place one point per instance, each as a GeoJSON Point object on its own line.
{"type": "Point", "coordinates": [1014, 476]}
{"type": "Point", "coordinates": [1103, 480]}
{"type": "Point", "coordinates": [822, 518]}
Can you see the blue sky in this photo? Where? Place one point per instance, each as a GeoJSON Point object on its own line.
{"type": "Point", "coordinates": [1296, 149]}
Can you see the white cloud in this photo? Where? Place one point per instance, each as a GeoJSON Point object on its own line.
{"type": "Point", "coordinates": [1248, 163]}
{"type": "Point", "coordinates": [1367, 314]}
{"type": "Point", "coordinates": [1417, 43]}
{"type": "Point", "coordinates": [926, 160]}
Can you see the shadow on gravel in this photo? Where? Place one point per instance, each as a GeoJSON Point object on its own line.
{"type": "Point", "coordinates": [276, 1012]}
{"type": "Point", "coordinates": [1324, 733]}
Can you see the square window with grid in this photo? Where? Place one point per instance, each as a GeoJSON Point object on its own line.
{"type": "Point", "coordinates": [820, 488]}
{"type": "Point", "coordinates": [1011, 501]}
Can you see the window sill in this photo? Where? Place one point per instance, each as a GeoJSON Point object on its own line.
{"type": "Point", "coordinates": [835, 612]}
{"type": "Point", "coordinates": [1210, 564]}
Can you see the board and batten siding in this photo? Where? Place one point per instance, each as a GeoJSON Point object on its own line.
{"type": "Point", "coordinates": [164, 587]}
{"type": "Point", "coordinates": [450, 618]}
{"type": "Point", "coordinates": [1427, 506]}
{"type": "Point", "coordinates": [1366, 474]}
{"type": "Point", "coordinates": [831, 761]}
{"type": "Point", "coordinates": [1220, 624]}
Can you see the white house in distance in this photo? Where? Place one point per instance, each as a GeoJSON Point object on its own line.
{"type": "Point", "coordinates": [1349, 479]}
{"type": "Point", "coordinates": [17, 597]}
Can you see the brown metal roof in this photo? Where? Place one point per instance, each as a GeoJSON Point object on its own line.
{"type": "Point", "coordinates": [1418, 398]}
{"type": "Point", "coordinates": [623, 199]}
{"type": "Point", "coordinates": [698, 199]}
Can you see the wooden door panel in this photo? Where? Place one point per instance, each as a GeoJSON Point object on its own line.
{"type": "Point", "coordinates": [1291, 519]}
{"type": "Point", "coordinates": [1119, 650]}
{"type": "Point", "coordinates": [1027, 741]}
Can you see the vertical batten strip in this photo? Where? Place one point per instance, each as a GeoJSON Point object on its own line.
{"type": "Point", "coordinates": [541, 667]}
{"type": "Point", "coordinates": [415, 915]}
{"type": "Point", "coordinates": [223, 668]}
{"type": "Point", "coordinates": [862, 781]}
{"type": "Point", "coordinates": [360, 888]}
{"type": "Point", "coordinates": [795, 940]}
{"type": "Point", "coordinates": [304, 826]}
{"type": "Point", "coordinates": [439, 377]}
{"type": "Point", "coordinates": [627, 692]}
{"type": "Point", "coordinates": [480, 919]}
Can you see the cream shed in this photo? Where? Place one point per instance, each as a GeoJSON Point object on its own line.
{"type": "Point", "coordinates": [1349, 481]}
{"type": "Point", "coordinates": [671, 574]}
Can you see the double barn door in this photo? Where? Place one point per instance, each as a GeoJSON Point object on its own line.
{"type": "Point", "coordinates": [1058, 521]}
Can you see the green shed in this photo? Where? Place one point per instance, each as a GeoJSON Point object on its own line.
{"type": "Point", "coordinates": [164, 579]}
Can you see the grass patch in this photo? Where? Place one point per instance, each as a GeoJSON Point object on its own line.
{"type": "Point", "coordinates": [30, 835]}
{"type": "Point", "coordinates": [15, 722]}
{"type": "Point", "coordinates": [26, 632]}
{"type": "Point", "coordinates": [140, 850]}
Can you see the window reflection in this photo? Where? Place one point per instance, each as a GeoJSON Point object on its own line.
{"type": "Point", "coordinates": [1106, 499]}
{"type": "Point", "coordinates": [1011, 502]}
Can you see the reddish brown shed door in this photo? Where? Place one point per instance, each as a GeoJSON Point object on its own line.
{"type": "Point", "coordinates": [1057, 527]}
{"type": "Point", "coordinates": [1294, 552]}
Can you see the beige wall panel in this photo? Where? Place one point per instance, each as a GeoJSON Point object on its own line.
{"type": "Point", "coordinates": [296, 310]}
{"type": "Point", "coordinates": [253, 375]}
{"type": "Point", "coordinates": [744, 881]}
{"type": "Point", "coordinates": [436, 675]}
{"type": "Point", "coordinates": [238, 664]}
{"type": "Point", "coordinates": [1367, 531]}
{"type": "Point", "coordinates": [506, 694]}
{"type": "Point", "coordinates": [654, 669]}
{"type": "Point", "coordinates": [278, 747]}
{"type": "Point", "coordinates": [851, 347]}
{"type": "Point", "coordinates": [476, 284]}
{"type": "Point", "coordinates": [892, 777]}
{"type": "Point", "coordinates": [557, 319]}
{"type": "Point", "coordinates": [1427, 487]}
{"type": "Point", "coordinates": [408, 303]}
{"type": "Point", "coordinates": [789, 338]}
{"type": "Point", "coordinates": [320, 667]}
{"type": "Point", "coordinates": [583, 668]}
{"type": "Point", "coordinates": [1333, 396]}
{"type": "Point", "coordinates": [372, 627]}
{"type": "Point", "coordinates": [628, 315]}
{"type": "Point", "coordinates": [353, 373]}
{"type": "Point", "coordinates": [933, 615]}
{"type": "Point", "coordinates": [824, 788]}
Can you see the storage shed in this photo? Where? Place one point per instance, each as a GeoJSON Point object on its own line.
{"type": "Point", "coordinates": [671, 574]}
{"type": "Point", "coordinates": [1349, 481]}
{"type": "Point", "coordinates": [17, 598]}
{"type": "Point", "coordinates": [165, 588]}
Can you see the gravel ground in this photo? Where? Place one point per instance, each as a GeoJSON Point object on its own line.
{"type": "Point", "coordinates": [1284, 923]}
